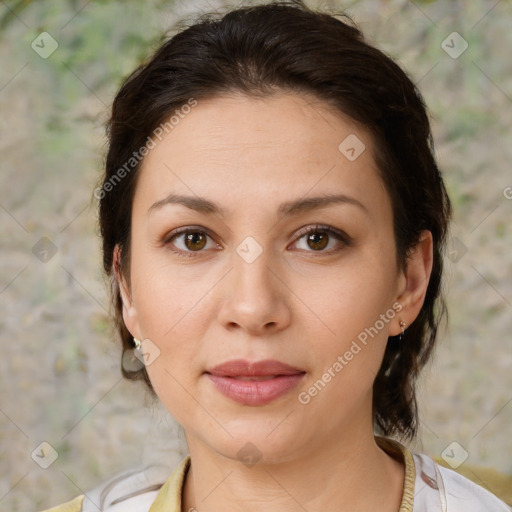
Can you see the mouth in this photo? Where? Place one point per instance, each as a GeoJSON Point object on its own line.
{"type": "Point", "coordinates": [256, 383]}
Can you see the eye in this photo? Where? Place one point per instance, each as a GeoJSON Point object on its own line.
{"type": "Point", "coordinates": [318, 238]}
{"type": "Point", "coordinates": [194, 239]}
{"type": "Point", "coordinates": [190, 239]}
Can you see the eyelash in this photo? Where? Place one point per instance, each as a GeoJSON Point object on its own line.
{"type": "Point", "coordinates": [331, 231]}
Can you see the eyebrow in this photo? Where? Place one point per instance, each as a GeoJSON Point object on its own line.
{"type": "Point", "coordinates": [287, 209]}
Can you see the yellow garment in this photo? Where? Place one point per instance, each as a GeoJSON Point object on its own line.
{"type": "Point", "coordinates": [70, 506]}
{"type": "Point", "coordinates": [169, 497]}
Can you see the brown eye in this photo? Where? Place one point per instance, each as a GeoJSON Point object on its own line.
{"type": "Point", "coordinates": [318, 241]}
{"type": "Point", "coordinates": [322, 239]}
{"type": "Point", "coordinates": [195, 241]}
{"type": "Point", "coordinates": [189, 240]}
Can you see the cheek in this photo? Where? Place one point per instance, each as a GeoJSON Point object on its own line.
{"type": "Point", "coordinates": [172, 313]}
{"type": "Point", "coordinates": [176, 322]}
{"type": "Point", "coordinates": [166, 293]}
{"type": "Point", "coordinates": [349, 304]}
{"type": "Point", "coordinates": [350, 296]}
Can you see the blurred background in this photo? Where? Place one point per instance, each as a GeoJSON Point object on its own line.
{"type": "Point", "coordinates": [60, 382]}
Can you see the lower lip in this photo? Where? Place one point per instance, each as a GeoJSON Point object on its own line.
{"type": "Point", "coordinates": [252, 392]}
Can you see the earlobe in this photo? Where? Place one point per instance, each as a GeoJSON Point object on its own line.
{"type": "Point", "coordinates": [417, 277]}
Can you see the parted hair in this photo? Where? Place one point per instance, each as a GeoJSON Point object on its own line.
{"type": "Point", "coordinates": [286, 46]}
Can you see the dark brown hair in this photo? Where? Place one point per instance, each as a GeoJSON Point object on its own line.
{"type": "Point", "coordinates": [285, 46]}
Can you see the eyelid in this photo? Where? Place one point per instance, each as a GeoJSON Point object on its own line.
{"type": "Point", "coordinates": [322, 227]}
{"type": "Point", "coordinates": [185, 230]}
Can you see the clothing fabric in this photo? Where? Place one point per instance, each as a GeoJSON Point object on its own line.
{"type": "Point", "coordinates": [428, 487]}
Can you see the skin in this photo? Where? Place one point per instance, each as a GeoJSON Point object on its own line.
{"type": "Point", "coordinates": [295, 303]}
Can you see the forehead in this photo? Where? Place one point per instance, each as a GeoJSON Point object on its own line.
{"type": "Point", "coordinates": [241, 150]}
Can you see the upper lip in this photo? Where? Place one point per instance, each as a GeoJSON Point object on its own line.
{"type": "Point", "coordinates": [243, 368]}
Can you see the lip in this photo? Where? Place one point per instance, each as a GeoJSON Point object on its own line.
{"type": "Point", "coordinates": [256, 383]}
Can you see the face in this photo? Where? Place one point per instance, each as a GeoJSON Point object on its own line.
{"type": "Point", "coordinates": [237, 254]}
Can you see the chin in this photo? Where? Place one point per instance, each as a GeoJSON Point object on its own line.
{"type": "Point", "coordinates": [258, 441]}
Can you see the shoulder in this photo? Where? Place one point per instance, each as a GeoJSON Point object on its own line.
{"type": "Point", "coordinates": [467, 494]}
{"type": "Point", "coordinates": [437, 486]}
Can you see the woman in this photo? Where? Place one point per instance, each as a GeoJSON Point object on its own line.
{"type": "Point", "coordinates": [273, 219]}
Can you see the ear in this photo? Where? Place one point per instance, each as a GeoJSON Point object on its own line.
{"type": "Point", "coordinates": [414, 281]}
{"type": "Point", "coordinates": [129, 310]}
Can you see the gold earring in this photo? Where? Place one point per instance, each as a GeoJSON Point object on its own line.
{"type": "Point", "coordinates": [402, 325]}
{"type": "Point", "coordinates": [137, 343]}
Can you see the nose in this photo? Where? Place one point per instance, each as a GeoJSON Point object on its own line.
{"type": "Point", "coordinates": [255, 297]}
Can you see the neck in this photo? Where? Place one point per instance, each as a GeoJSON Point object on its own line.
{"type": "Point", "coordinates": [333, 474]}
